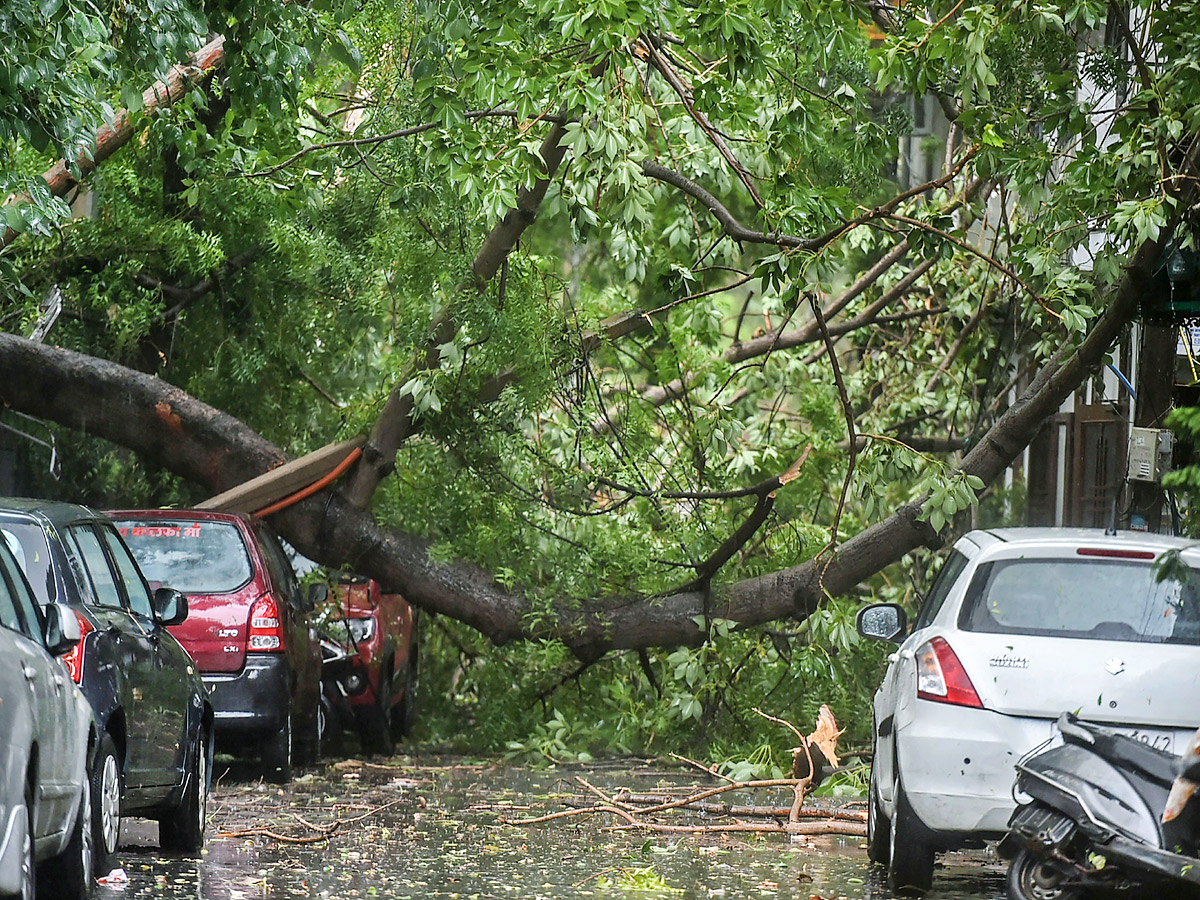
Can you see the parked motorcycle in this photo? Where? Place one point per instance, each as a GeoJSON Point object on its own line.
{"type": "Point", "coordinates": [1095, 820]}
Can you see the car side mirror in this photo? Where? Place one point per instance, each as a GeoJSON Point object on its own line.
{"type": "Point", "coordinates": [170, 606]}
{"type": "Point", "coordinates": [60, 630]}
{"type": "Point", "coordinates": [883, 622]}
{"type": "Point", "coordinates": [318, 593]}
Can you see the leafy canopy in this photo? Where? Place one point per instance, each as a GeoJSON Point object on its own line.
{"type": "Point", "coordinates": [280, 242]}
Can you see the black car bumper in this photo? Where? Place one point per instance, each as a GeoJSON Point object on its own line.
{"type": "Point", "coordinates": [253, 701]}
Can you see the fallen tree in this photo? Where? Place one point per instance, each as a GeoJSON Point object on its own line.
{"type": "Point", "coordinates": [168, 427]}
{"type": "Point", "coordinates": [568, 144]}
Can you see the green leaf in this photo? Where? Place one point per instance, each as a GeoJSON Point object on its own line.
{"type": "Point", "coordinates": [343, 50]}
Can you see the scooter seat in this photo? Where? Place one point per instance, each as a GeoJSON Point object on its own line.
{"type": "Point", "coordinates": [1121, 749]}
{"type": "Point", "coordinates": [1158, 766]}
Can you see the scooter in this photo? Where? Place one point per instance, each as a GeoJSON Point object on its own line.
{"type": "Point", "coordinates": [1095, 820]}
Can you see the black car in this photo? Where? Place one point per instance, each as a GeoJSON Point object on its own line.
{"type": "Point", "coordinates": [154, 751]}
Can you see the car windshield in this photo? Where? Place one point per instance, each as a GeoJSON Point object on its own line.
{"type": "Point", "coordinates": [27, 542]}
{"type": "Point", "coordinates": [193, 557]}
{"type": "Point", "coordinates": [1114, 600]}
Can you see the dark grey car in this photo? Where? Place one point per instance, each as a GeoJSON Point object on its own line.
{"type": "Point", "coordinates": [46, 731]}
{"type": "Point", "coordinates": [154, 751]}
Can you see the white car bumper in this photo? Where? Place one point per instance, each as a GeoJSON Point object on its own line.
{"type": "Point", "coordinates": [957, 765]}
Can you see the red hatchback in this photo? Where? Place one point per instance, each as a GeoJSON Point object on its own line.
{"type": "Point", "coordinates": [247, 628]}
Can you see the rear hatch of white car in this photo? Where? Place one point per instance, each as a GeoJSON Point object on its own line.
{"type": "Point", "coordinates": [1094, 632]}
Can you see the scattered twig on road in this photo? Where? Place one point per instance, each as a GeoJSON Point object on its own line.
{"type": "Point", "coordinates": [711, 770]}
{"type": "Point", "coordinates": [322, 832]}
{"type": "Point", "coordinates": [637, 811]}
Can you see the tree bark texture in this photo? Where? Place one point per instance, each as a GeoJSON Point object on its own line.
{"type": "Point", "coordinates": [172, 429]}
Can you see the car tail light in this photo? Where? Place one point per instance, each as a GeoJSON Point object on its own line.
{"type": "Point", "coordinates": [74, 659]}
{"type": "Point", "coordinates": [942, 678]}
{"type": "Point", "coordinates": [266, 628]}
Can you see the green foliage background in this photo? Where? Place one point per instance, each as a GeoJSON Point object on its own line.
{"type": "Point", "coordinates": [278, 243]}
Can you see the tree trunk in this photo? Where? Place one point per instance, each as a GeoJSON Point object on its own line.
{"type": "Point", "coordinates": [170, 428]}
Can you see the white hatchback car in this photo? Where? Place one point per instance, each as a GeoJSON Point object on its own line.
{"type": "Point", "coordinates": [1021, 625]}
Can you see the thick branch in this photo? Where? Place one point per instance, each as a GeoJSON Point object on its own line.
{"type": "Point", "coordinates": [395, 422]}
{"type": "Point", "coordinates": [60, 178]}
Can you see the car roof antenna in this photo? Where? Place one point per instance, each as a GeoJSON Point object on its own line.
{"type": "Point", "coordinates": [1111, 529]}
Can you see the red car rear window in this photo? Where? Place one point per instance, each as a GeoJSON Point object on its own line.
{"type": "Point", "coordinates": [193, 557]}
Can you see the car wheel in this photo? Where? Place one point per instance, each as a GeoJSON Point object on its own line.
{"type": "Point", "coordinates": [879, 828]}
{"type": "Point", "coordinates": [28, 890]}
{"type": "Point", "coordinates": [182, 829]}
{"type": "Point", "coordinates": [309, 743]}
{"type": "Point", "coordinates": [72, 874]}
{"type": "Point", "coordinates": [404, 713]}
{"type": "Point", "coordinates": [329, 725]}
{"type": "Point", "coordinates": [1031, 879]}
{"type": "Point", "coordinates": [277, 753]}
{"type": "Point", "coordinates": [107, 784]}
{"type": "Point", "coordinates": [910, 864]}
{"type": "Point", "coordinates": [375, 720]}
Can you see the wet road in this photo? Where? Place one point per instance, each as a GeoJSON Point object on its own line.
{"type": "Point", "coordinates": [405, 831]}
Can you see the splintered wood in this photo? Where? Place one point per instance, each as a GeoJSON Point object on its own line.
{"type": "Point", "coordinates": [814, 758]}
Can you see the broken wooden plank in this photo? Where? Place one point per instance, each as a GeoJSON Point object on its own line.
{"type": "Point", "coordinates": [283, 481]}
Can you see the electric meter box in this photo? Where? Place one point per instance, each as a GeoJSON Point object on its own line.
{"type": "Point", "coordinates": [1149, 453]}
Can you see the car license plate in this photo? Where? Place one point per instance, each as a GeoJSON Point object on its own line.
{"type": "Point", "coordinates": [1159, 740]}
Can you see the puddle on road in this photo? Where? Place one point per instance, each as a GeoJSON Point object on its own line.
{"type": "Point", "coordinates": [438, 832]}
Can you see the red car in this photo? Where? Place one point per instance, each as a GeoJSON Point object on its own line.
{"type": "Point", "coordinates": [371, 660]}
{"type": "Point", "coordinates": [248, 627]}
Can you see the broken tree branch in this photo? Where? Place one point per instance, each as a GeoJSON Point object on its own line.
{"type": "Point", "coordinates": [62, 177]}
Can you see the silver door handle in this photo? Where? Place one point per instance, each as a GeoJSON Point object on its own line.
{"type": "Point", "coordinates": [58, 683]}
{"type": "Point", "coordinates": [908, 655]}
{"type": "Point", "coordinates": [29, 672]}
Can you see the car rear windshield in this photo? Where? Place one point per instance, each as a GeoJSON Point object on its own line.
{"type": "Point", "coordinates": [193, 557]}
{"type": "Point", "coordinates": [27, 541]}
{"type": "Point", "coordinates": [1110, 600]}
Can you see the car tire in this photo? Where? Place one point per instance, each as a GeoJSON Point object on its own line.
{"type": "Point", "coordinates": [1031, 879]}
{"type": "Point", "coordinates": [277, 753]}
{"type": "Point", "coordinates": [72, 874]}
{"type": "Point", "coordinates": [404, 713]}
{"type": "Point", "coordinates": [309, 742]}
{"type": "Point", "coordinates": [182, 829]}
{"type": "Point", "coordinates": [375, 720]}
{"type": "Point", "coordinates": [28, 889]}
{"type": "Point", "coordinates": [879, 827]}
{"type": "Point", "coordinates": [329, 725]}
{"type": "Point", "coordinates": [108, 784]}
{"type": "Point", "coordinates": [911, 853]}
